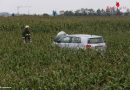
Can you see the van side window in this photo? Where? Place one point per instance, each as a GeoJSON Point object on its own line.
{"type": "Point", "coordinates": [66, 40]}
{"type": "Point", "coordinates": [58, 39]}
{"type": "Point", "coordinates": [76, 40]}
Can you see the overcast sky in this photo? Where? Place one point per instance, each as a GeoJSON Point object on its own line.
{"type": "Point", "coordinates": [46, 6]}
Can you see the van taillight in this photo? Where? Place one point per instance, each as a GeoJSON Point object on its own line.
{"type": "Point", "coordinates": [88, 46]}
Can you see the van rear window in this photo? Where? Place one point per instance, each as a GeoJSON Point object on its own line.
{"type": "Point", "coordinates": [95, 40]}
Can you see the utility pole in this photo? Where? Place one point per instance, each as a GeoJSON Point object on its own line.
{"type": "Point", "coordinates": [19, 7]}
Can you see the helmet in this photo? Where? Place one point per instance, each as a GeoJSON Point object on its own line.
{"type": "Point", "coordinates": [27, 26]}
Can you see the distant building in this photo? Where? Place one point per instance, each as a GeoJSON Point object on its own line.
{"type": "Point", "coordinates": [5, 14]}
{"type": "Point", "coordinates": [108, 10]}
{"type": "Point", "coordinates": [128, 12]}
{"type": "Point", "coordinates": [62, 12]}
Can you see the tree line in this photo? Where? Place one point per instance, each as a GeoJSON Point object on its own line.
{"type": "Point", "coordinates": [110, 11]}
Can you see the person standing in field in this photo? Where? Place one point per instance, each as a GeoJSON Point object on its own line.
{"type": "Point", "coordinates": [26, 34]}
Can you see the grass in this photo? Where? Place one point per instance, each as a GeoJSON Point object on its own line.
{"type": "Point", "coordinates": [40, 66]}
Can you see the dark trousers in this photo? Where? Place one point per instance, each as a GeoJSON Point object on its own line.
{"type": "Point", "coordinates": [26, 39]}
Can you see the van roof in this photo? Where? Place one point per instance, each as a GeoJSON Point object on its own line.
{"type": "Point", "coordinates": [84, 35]}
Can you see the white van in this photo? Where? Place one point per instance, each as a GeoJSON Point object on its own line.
{"type": "Point", "coordinates": [83, 41]}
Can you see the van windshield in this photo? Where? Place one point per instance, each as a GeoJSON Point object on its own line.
{"type": "Point", "coordinates": [95, 40]}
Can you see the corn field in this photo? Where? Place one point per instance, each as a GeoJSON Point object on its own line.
{"type": "Point", "coordinates": [41, 66]}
